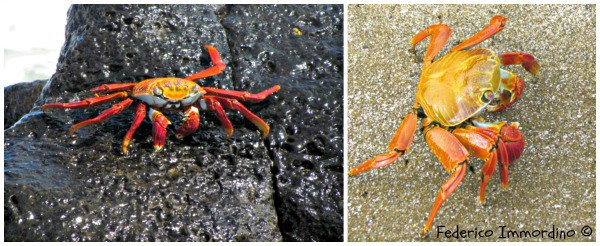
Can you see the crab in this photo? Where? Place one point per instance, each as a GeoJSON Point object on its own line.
{"type": "Point", "coordinates": [172, 95]}
{"type": "Point", "coordinates": [452, 93]}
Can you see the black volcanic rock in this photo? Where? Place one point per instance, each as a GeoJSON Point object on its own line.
{"type": "Point", "coordinates": [301, 48]}
{"type": "Point", "coordinates": [202, 187]}
{"type": "Point", "coordinates": [19, 99]}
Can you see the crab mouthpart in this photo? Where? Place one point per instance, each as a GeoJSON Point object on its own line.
{"type": "Point", "coordinates": [173, 104]}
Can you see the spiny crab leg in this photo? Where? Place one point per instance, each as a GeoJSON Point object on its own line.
{"type": "Point", "coordinates": [217, 68]}
{"type": "Point", "coordinates": [88, 102]}
{"type": "Point", "coordinates": [115, 109]}
{"type": "Point", "coordinates": [242, 95]}
{"type": "Point", "coordinates": [159, 129]}
{"type": "Point", "coordinates": [519, 58]}
{"type": "Point", "coordinates": [113, 87]}
{"type": "Point", "coordinates": [190, 124]}
{"type": "Point", "coordinates": [439, 33]}
{"type": "Point", "coordinates": [497, 23]}
{"type": "Point", "coordinates": [398, 146]}
{"type": "Point", "coordinates": [140, 114]}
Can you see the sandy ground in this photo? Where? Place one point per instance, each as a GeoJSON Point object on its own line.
{"type": "Point", "coordinates": [552, 185]}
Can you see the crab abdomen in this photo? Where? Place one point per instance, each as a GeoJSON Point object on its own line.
{"type": "Point", "coordinates": [459, 85]}
{"type": "Point", "coordinates": [167, 92]}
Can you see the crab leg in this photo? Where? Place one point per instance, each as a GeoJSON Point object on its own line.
{"type": "Point", "coordinates": [398, 146]}
{"type": "Point", "coordinates": [510, 144]}
{"type": "Point", "coordinates": [210, 103]}
{"type": "Point", "coordinates": [518, 58]}
{"type": "Point", "coordinates": [242, 95]}
{"type": "Point", "coordinates": [257, 121]}
{"type": "Point", "coordinates": [113, 87]}
{"type": "Point", "coordinates": [140, 114]}
{"type": "Point", "coordinates": [481, 143]}
{"type": "Point", "coordinates": [190, 122]}
{"type": "Point", "coordinates": [503, 158]}
{"type": "Point", "coordinates": [159, 131]}
{"type": "Point", "coordinates": [454, 158]}
{"type": "Point", "coordinates": [447, 188]}
{"type": "Point", "coordinates": [88, 102]}
{"type": "Point", "coordinates": [497, 23]}
{"type": "Point", "coordinates": [115, 109]}
{"type": "Point", "coordinates": [439, 33]}
{"type": "Point", "coordinates": [217, 68]}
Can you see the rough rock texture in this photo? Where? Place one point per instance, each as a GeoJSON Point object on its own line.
{"type": "Point", "coordinates": [19, 99]}
{"type": "Point", "coordinates": [306, 144]}
{"type": "Point", "coordinates": [200, 188]}
{"type": "Point", "coordinates": [552, 184]}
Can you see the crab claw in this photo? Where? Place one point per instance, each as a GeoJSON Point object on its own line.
{"type": "Point", "coordinates": [159, 131]}
{"type": "Point", "coordinates": [526, 60]}
{"type": "Point", "coordinates": [513, 140]}
{"type": "Point", "coordinates": [190, 124]}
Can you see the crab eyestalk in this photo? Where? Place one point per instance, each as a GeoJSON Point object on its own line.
{"type": "Point", "coordinates": [507, 97]}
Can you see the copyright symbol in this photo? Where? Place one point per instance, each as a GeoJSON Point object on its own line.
{"type": "Point", "coordinates": [586, 231]}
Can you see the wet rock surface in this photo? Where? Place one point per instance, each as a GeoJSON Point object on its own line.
{"type": "Point", "coordinates": [19, 99]}
{"type": "Point", "coordinates": [202, 187]}
{"type": "Point", "coordinates": [306, 146]}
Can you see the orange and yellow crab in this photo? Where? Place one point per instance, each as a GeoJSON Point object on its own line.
{"type": "Point", "coordinates": [452, 92]}
{"type": "Point", "coordinates": [171, 94]}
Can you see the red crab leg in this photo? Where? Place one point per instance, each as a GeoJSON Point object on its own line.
{"type": "Point", "coordinates": [88, 102]}
{"type": "Point", "coordinates": [510, 144]}
{"type": "Point", "coordinates": [439, 33]}
{"type": "Point", "coordinates": [497, 23]}
{"type": "Point", "coordinates": [486, 174]}
{"type": "Point", "coordinates": [217, 68]}
{"type": "Point", "coordinates": [398, 146]}
{"type": "Point", "coordinates": [140, 114]}
{"type": "Point", "coordinates": [453, 156]}
{"type": "Point", "coordinates": [503, 158]}
{"type": "Point", "coordinates": [159, 131]}
{"type": "Point", "coordinates": [190, 124]}
{"type": "Point", "coordinates": [225, 123]}
{"type": "Point", "coordinates": [447, 188]}
{"type": "Point", "coordinates": [257, 121]}
{"type": "Point", "coordinates": [114, 87]}
{"type": "Point", "coordinates": [518, 58]}
{"type": "Point", "coordinates": [115, 109]}
{"type": "Point", "coordinates": [242, 95]}
{"type": "Point", "coordinates": [481, 143]}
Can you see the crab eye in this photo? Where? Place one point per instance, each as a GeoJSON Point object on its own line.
{"type": "Point", "coordinates": [195, 89]}
{"type": "Point", "coordinates": [158, 91]}
{"type": "Point", "coordinates": [487, 96]}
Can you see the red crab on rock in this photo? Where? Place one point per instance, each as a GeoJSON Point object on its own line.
{"type": "Point", "coordinates": [156, 95]}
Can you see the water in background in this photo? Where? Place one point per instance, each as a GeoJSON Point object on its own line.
{"type": "Point", "coordinates": [32, 41]}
